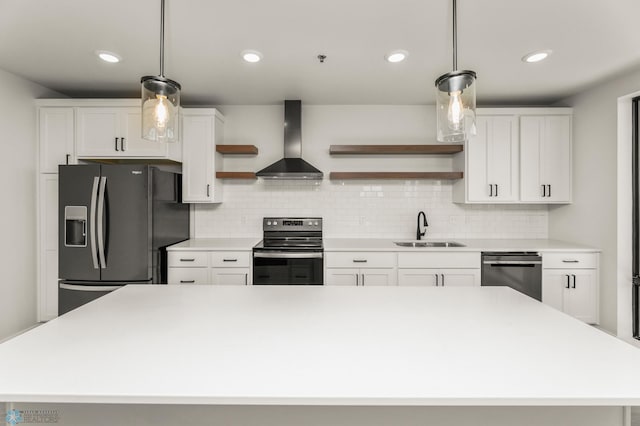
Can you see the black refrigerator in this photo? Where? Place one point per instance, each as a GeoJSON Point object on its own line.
{"type": "Point", "coordinates": [115, 222]}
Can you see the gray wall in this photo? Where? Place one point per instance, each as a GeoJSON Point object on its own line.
{"type": "Point", "coordinates": [592, 218]}
{"type": "Point", "coordinates": [18, 192]}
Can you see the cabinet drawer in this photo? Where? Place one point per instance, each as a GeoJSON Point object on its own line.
{"type": "Point", "coordinates": [230, 276]}
{"type": "Point", "coordinates": [439, 260]}
{"type": "Point", "coordinates": [569, 260]}
{"type": "Point", "coordinates": [188, 276]}
{"type": "Point", "coordinates": [231, 259]}
{"type": "Point", "coordinates": [188, 259]}
{"type": "Point", "coordinates": [360, 260]}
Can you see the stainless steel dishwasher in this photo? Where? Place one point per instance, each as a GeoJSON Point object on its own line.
{"type": "Point", "coordinates": [520, 270]}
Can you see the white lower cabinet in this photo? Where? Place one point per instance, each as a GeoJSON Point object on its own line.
{"type": "Point", "coordinates": [439, 269]}
{"type": "Point", "coordinates": [360, 268]}
{"type": "Point", "coordinates": [572, 290]}
{"type": "Point", "coordinates": [209, 267]}
{"type": "Point", "coordinates": [230, 276]}
{"type": "Point", "coordinates": [188, 275]}
{"type": "Point", "coordinates": [48, 246]}
{"type": "Point", "coordinates": [439, 277]}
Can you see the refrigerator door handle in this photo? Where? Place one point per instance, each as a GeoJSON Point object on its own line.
{"type": "Point", "coordinates": [94, 194]}
{"type": "Point", "coordinates": [103, 184]}
{"type": "Point", "coordinates": [90, 287]}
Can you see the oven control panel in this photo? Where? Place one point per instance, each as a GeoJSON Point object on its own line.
{"type": "Point", "coordinates": [292, 224]}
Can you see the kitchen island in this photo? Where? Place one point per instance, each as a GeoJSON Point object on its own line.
{"type": "Point", "coordinates": [317, 355]}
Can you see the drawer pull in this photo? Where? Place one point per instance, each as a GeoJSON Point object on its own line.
{"type": "Point", "coordinates": [570, 261]}
{"type": "Point", "coordinates": [187, 281]}
{"type": "Point", "coordinates": [229, 260]}
{"type": "Point", "coordinates": [359, 260]}
{"type": "Point", "coordinates": [188, 260]}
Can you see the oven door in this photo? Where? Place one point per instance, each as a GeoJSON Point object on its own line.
{"type": "Point", "coordinates": [272, 267]}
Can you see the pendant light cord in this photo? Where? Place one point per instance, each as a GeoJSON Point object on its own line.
{"type": "Point", "coordinates": [455, 37]}
{"type": "Point", "coordinates": [162, 37]}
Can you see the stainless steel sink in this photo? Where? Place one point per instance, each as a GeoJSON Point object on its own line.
{"type": "Point", "coordinates": [420, 244]}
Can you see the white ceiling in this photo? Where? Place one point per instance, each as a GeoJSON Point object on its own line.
{"type": "Point", "coordinates": [53, 43]}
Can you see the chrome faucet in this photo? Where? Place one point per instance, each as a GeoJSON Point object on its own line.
{"type": "Point", "coordinates": [419, 234]}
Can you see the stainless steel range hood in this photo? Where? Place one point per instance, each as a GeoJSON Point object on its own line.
{"type": "Point", "coordinates": [292, 166]}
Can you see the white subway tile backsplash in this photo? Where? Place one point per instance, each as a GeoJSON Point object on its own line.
{"type": "Point", "coordinates": [362, 209]}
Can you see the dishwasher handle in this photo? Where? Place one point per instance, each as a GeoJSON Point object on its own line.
{"type": "Point", "coordinates": [512, 262]}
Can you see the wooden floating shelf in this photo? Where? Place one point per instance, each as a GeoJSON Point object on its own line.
{"type": "Point", "coordinates": [395, 175]}
{"type": "Point", "coordinates": [236, 175]}
{"type": "Point", "coordinates": [237, 149]}
{"type": "Point", "coordinates": [394, 149]}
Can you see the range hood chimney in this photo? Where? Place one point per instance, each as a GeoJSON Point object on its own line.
{"type": "Point", "coordinates": [292, 166]}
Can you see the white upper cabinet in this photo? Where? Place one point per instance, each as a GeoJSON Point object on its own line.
{"type": "Point", "coordinates": [518, 155]}
{"type": "Point", "coordinates": [492, 160]}
{"type": "Point", "coordinates": [115, 132]}
{"type": "Point", "coordinates": [56, 138]}
{"type": "Point", "coordinates": [545, 145]}
{"type": "Point", "coordinates": [202, 129]}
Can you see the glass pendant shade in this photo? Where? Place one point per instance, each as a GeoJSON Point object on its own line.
{"type": "Point", "coordinates": [456, 106]}
{"type": "Point", "coordinates": [160, 106]}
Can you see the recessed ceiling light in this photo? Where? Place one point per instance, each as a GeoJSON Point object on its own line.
{"type": "Point", "coordinates": [397, 56]}
{"type": "Point", "coordinates": [252, 56]}
{"type": "Point", "coordinates": [110, 57]}
{"type": "Point", "coordinates": [536, 56]}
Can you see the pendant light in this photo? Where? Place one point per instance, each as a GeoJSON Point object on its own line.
{"type": "Point", "coordinates": [160, 100]}
{"type": "Point", "coordinates": [455, 99]}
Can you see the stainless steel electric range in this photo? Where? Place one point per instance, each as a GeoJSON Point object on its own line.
{"type": "Point", "coordinates": [291, 252]}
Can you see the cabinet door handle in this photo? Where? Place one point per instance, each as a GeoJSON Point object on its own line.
{"type": "Point", "coordinates": [568, 279]}
{"type": "Point", "coordinates": [544, 190]}
{"type": "Point", "coordinates": [362, 279]}
{"type": "Point", "coordinates": [188, 260]}
{"type": "Point", "coordinates": [187, 281]}
{"type": "Point", "coordinates": [359, 260]}
{"type": "Point", "coordinates": [357, 279]}
{"type": "Point", "coordinates": [246, 279]}
{"type": "Point", "coordinates": [442, 280]}
{"type": "Point", "coordinates": [117, 144]}
{"type": "Point", "coordinates": [122, 145]}
{"type": "Point", "coordinates": [574, 281]}
{"type": "Point", "coordinates": [67, 156]}
{"type": "Point", "coordinates": [437, 279]}
{"type": "Point", "coordinates": [229, 260]}
{"type": "Point", "coordinates": [490, 190]}
{"type": "Point", "coordinates": [208, 186]}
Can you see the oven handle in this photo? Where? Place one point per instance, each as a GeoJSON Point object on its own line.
{"type": "Point", "coordinates": [512, 262]}
{"type": "Point", "coordinates": [280, 255]}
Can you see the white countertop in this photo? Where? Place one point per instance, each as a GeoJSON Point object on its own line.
{"type": "Point", "coordinates": [319, 345]}
{"type": "Point", "coordinates": [386, 244]}
{"type": "Point", "coordinates": [207, 244]}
